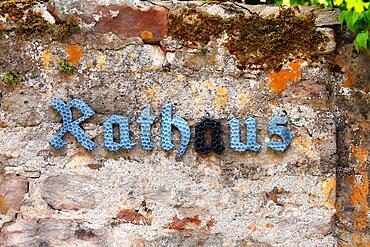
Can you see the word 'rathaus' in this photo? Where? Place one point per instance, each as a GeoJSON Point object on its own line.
{"type": "Point", "coordinates": [276, 127]}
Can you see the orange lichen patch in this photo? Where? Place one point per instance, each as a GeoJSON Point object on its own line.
{"type": "Point", "coordinates": [3, 208]}
{"type": "Point", "coordinates": [2, 26]}
{"type": "Point", "coordinates": [147, 36]}
{"type": "Point", "coordinates": [252, 228]}
{"type": "Point", "coordinates": [360, 154]}
{"type": "Point", "coordinates": [328, 192]}
{"type": "Point", "coordinates": [221, 98]}
{"type": "Point", "coordinates": [269, 225]}
{"type": "Point", "coordinates": [360, 240]}
{"type": "Point", "coordinates": [3, 124]}
{"type": "Point", "coordinates": [317, 141]}
{"type": "Point", "coordinates": [350, 79]}
{"type": "Point", "coordinates": [46, 57]}
{"type": "Point", "coordinates": [279, 80]}
{"type": "Point", "coordinates": [182, 224]}
{"type": "Point", "coordinates": [75, 53]}
{"type": "Point", "coordinates": [133, 217]}
{"type": "Point", "coordinates": [359, 191]}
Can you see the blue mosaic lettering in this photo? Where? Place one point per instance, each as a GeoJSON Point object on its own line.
{"type": "Point", "coordinates": [275, 128]}
{"type": "Point", "coordinates": [72, 126]}
{"type": "Point", "coordinates": [180, 124]}
{"type": "Point", "coordinates": [146, 121]}
{"type": "Point", "coordinates": [216, 137]}
{"type": "Point", "coordinates": [125, 142]}
{"type": "Point", "coordinates": [235, 143]}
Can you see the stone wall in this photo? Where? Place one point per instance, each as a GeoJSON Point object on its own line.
{"type": "Point", "coordinates": [208, 59]}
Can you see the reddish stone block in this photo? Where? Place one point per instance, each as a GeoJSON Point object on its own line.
{"type": "Point", "coordinates": [12, 190]}
{"type": "Point", "coordinates": [126, 21]}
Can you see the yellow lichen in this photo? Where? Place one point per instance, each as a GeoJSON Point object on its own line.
{"type": "Point", "coordinates": [100, 61]}
{"type": "Point", "coordinates": [221, 97]}
{"type": "Point", "coordinates": [328, 192]}
{"type": "Point", "coordinates": [243, 100]}
{"type": "Point", "coordinates": [152, 92]}
{"type": "Point", "coordinates": [46, 58]}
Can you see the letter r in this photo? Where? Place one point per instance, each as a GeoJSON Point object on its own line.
{"type": "Point", "coordinates": [72, 126]}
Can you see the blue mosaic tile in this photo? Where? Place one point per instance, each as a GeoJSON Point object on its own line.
{"type": "Point", "coordinates": [125, 142]}
{"type": "Point", "coordinates": [235, 143]}
{"type": "Point", "coordinates": [146, 120]}
{"type": "Point", "coordinates": [216, 137]}
{"type": "Point", "coordinates": [180, 124]}
{"type": "Point", "coordinates": [72, 126]}
{"type": "Point", "coordinates": [276, 127]}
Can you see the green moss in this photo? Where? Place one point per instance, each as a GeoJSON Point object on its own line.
{"type": "Point", "coordinates": [20, 12]}
{"type": "Point", "coordinates": [12, 78]}
{"type": "Point", "coordinates": [66, 68]}
{"type": "Point", "coordinates": [253, 40]}
{"type": "Point", "coordinates": [65, 29]}
{"type": "Point", "coordinates": [194, 27]}
{"type": "Point", "coordinates": [29, 23]}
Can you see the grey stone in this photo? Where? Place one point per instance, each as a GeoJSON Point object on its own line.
{"type": "Point", "coordinates": [68, 192]}
{"type": "Point", "coordinates": [327, 18]}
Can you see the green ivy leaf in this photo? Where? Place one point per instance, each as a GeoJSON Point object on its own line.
{"type": "Point", "coordinates": [361, 40]}
{"type": "Point", "coordinates": [351, 20]}
{"type": "Point", "coordinates": [350, 4]}
{"type": "Point", "coordinates": [359, 7]}
{"type": "Point", "coordinates": [343, 16]}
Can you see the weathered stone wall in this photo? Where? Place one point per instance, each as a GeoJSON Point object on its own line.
{"type": "Point", "coordinates": [219, 60]}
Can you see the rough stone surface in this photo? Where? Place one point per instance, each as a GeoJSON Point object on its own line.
{"type": "Point", "coordinates": [12, 190]}
{"type": "Point", "coordinates": [68, 192]}
{"type": "Point", "coordinates": [316, 193]}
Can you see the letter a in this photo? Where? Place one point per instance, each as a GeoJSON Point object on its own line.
{"type": "Point", "coordinates": [276, 127]}
{"type": "Point", "coordinates": [180, 124]}
{"type": "Point", "coordinates": [125, 141]}
{"type": "Point", "coordinates": [235, 143]}
{"type": "Point", "coordinates": [72, 126]}
{"type": "Point", "coordinates": [216, 137]}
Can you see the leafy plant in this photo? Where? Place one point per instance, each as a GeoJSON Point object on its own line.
{"type": "Point", "coordinates": [12, 78]}
{"type": "Point", "coordinates": [66, 68]}
{"type": "Point", "coordinates": [358, 22]}
{"type": "Point", "coordinates": [354, 13]}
